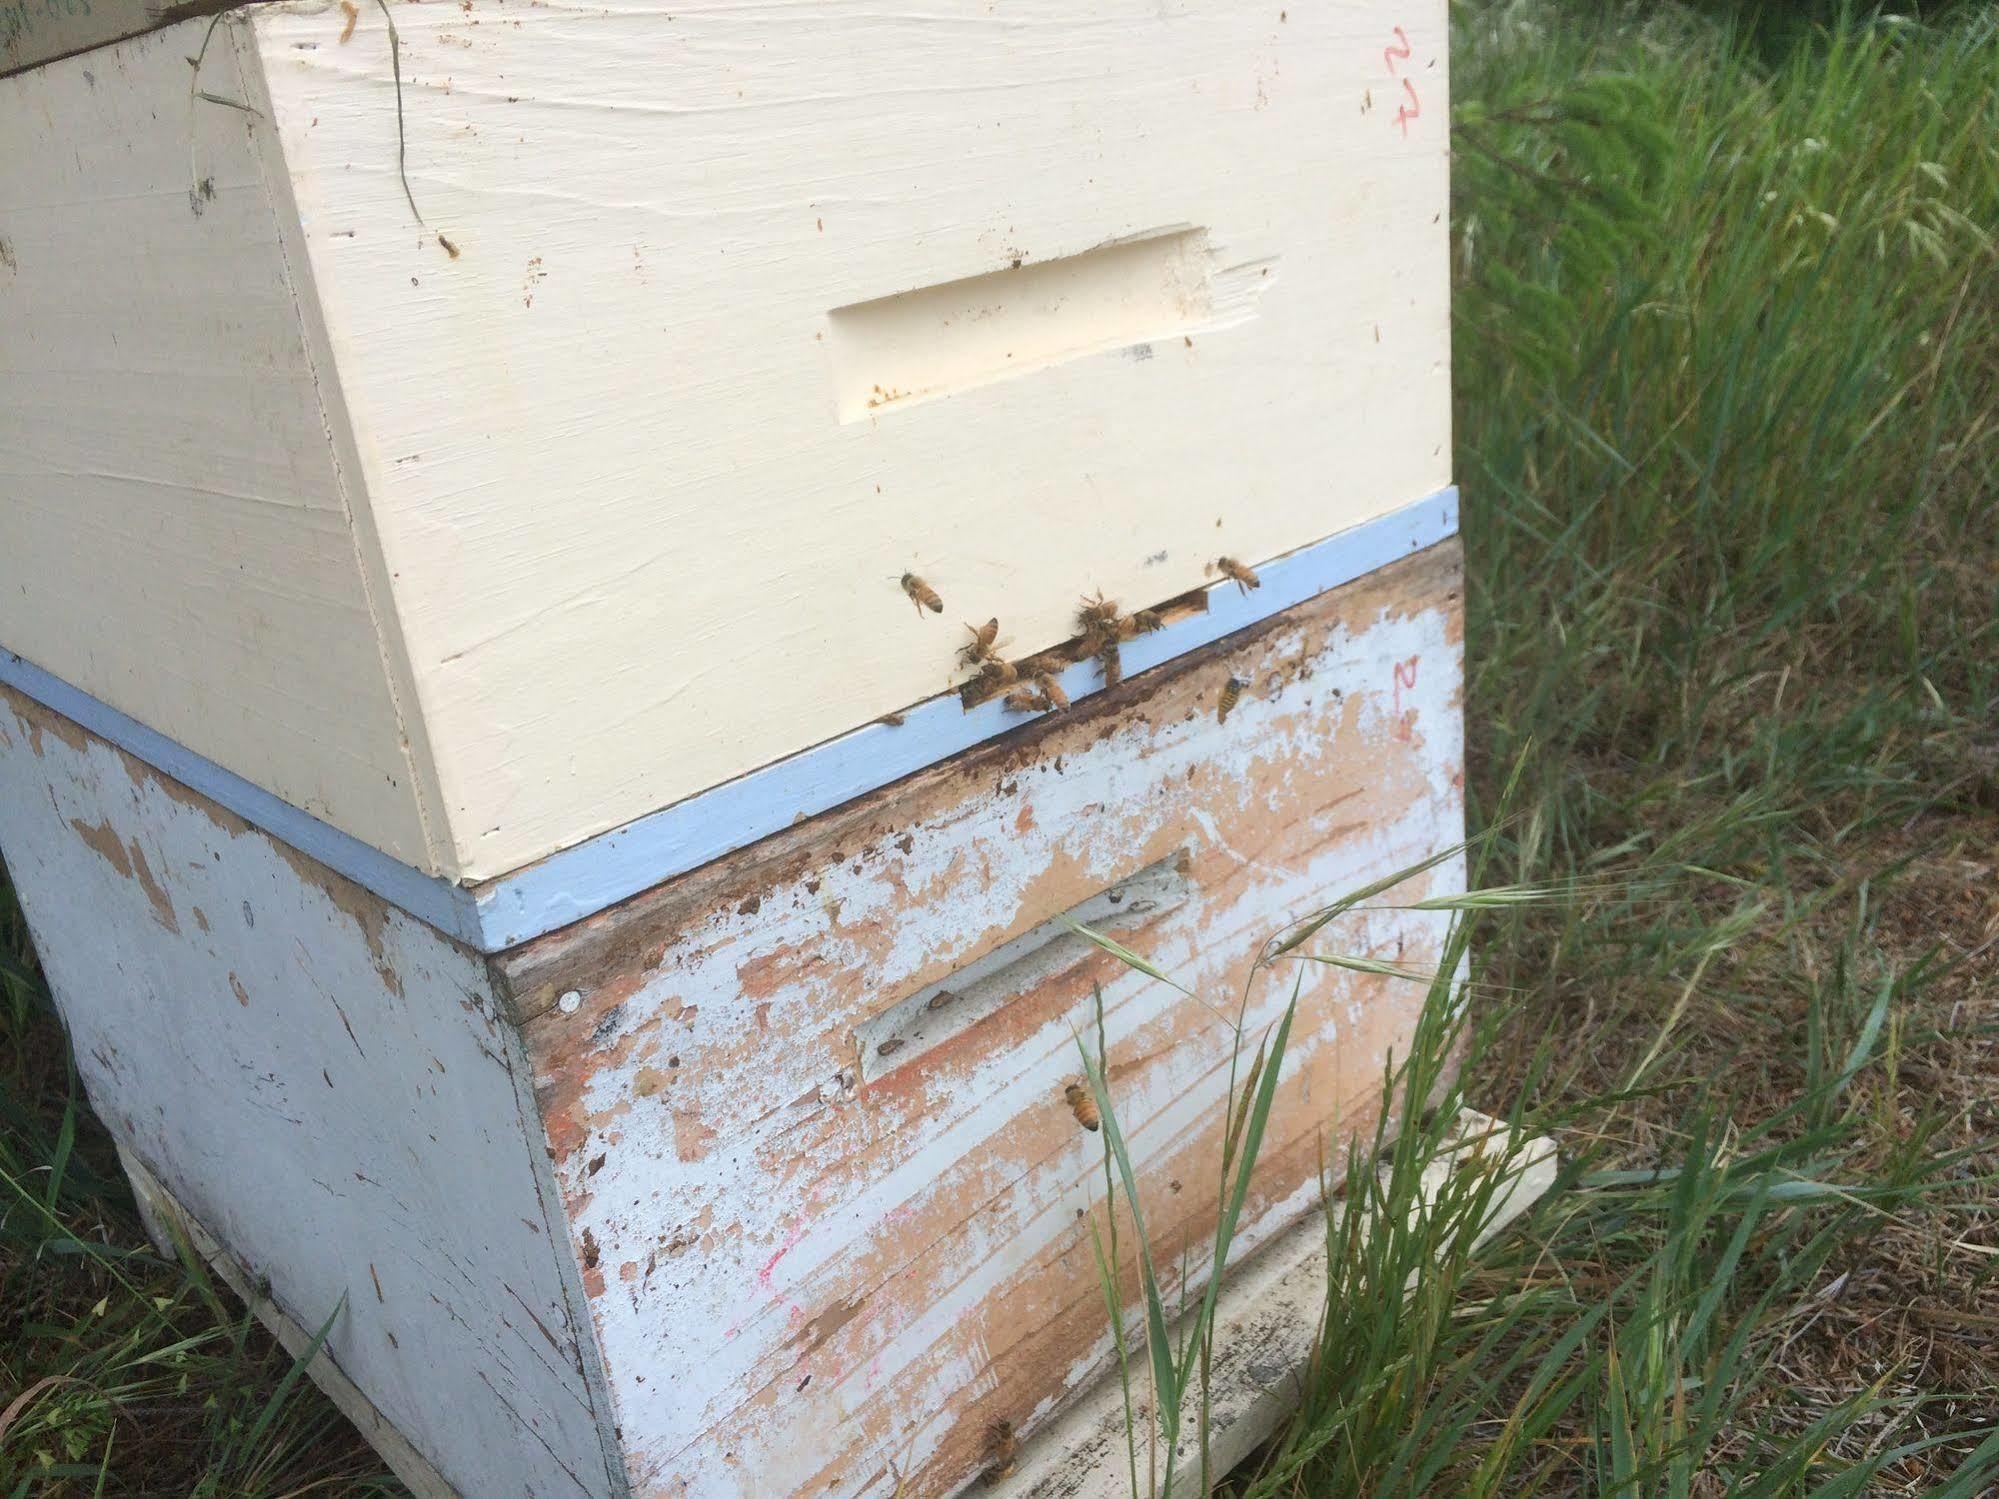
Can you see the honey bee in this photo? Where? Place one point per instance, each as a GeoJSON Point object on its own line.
{"type": "Point", "coordinates": [1244, 578]}
{"type": "Point", "coordinates": [921, 594]}
{"type": "Point", "coordinates": [893, 720]}
{"type": "Point", "coordinates": [1111, 663]}
{"type": "Point", "coordinates": [1052, 691]}
{"type": "Point", "coordinates": [981, 644]}
{"type": "Point", "coordinates": [1144, 622]}
{"type": "Point", "coordinates": [1002, 1449]}
{"type": "Point", "coordinates": [995, 674]}
{"type": "Point", "coordinates": [1231, 695]}
{"type": "Point", "coordinates": [1084, 1107]}
{"type": "Point", "coordinates": [1095, 613]}
{"type": "Point", "coordinates": [1020, 700]}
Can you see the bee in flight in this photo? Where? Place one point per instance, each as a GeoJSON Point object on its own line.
{"type": "Point", "coordinates": [921, 594]}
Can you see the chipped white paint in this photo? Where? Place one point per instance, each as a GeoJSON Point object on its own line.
{"type": "Point", "coordinates": [822, 1254]}
{"type": "Point", "coordinates": [555, 485]}
{"type": "Point", "coordinates": [326, 1086]}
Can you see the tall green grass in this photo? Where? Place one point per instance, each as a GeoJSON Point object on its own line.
{"type": "Point", "coordinates": [1728, 380]}
{"type": "Point", "coordinates": [1728, 414]}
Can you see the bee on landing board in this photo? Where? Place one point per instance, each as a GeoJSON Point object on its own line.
{"type": "Point", "coordinates": [1095, 613]}
{"type": "Point", "coordinates": [1022, 700]}
{"type": "Point", "coordinates": [1231, 695]}
{"type": "Point", "coordinates": [1144, 622]}
{"type": "Point", "coordinates": [995, 673]}
{"type": "Point", "coordinates": [981, 644]}
{"type": "Point", "coordinates": [1243, 577]}
{"type": "Point", "coordinates": [1052, 691]}
{"type": "Point", "coordinates": [1111, 664]}
{"type": "Point", "coordinates": [1084, 1107]}
{"type": "Point", "coordinates": [921, 594]}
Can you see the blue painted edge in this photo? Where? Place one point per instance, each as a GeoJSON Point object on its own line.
{"type": "Point", "coordinates": [450, 908]}
{"type": "Point", "coordinates": [578, 882]}
{"type": "Point", "coordinates": [581, 881]}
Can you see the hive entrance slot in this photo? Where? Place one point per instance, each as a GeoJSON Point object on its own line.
{"type": "Point", "coordinates": [937, 1012]}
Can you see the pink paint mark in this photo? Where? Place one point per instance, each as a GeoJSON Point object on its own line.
{"type": "Point", "coordinates": [1405, 718]}
{"type": "Point", "coordinates": [1410, 111]}
{"type": "Point", "coordinates": [764, 1279]}
{"type": "Point", "coordinates": [770, 1265]}
{"type": "Point", "coordinates": [1405, 676]}
{"type": "Point", "coordinates": [1401, 53]}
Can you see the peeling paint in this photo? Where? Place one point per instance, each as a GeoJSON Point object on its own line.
{"type": "Point", "coordinates": [888, 1266]}
{"type": "Point", "coordinates": [351, 1140]}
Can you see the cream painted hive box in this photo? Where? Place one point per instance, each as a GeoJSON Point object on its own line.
{"type": "Point", "coordinates": [531, 860]}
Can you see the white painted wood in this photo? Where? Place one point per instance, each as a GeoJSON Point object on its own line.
{"type": "Point", "coordinates": [36, 31]}
{"type": "Point", "coordinates": [171, 1225]}
{"type": "Point", "coordinates": [174, 538]}
{"type": "Point", "coordinates": [479, 536]}
{"type": "Point", "coordinates": [325, 1085]}
{"type": "Point", "coordinates": [610, 398]}
{"type": "Point", "coordinates": [1267, 1324]}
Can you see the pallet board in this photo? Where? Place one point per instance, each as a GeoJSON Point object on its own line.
{"type": "Point", "coordinates": [479, 536]}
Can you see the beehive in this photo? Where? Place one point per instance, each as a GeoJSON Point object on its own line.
{"type": "Point", "coordinates": [512, 845]}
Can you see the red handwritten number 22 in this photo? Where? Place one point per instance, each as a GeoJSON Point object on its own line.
{"type": "Point", "coordinates": [1400, 52]}
{"type": "Point", "coordinates": [1404, 727]}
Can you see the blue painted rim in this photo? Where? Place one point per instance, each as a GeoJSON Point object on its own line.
{"type": "Point", "coordinates": [580, 881]}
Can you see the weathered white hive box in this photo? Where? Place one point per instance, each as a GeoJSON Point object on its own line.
{"type": "Point", "coordinates": [516, 849]}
